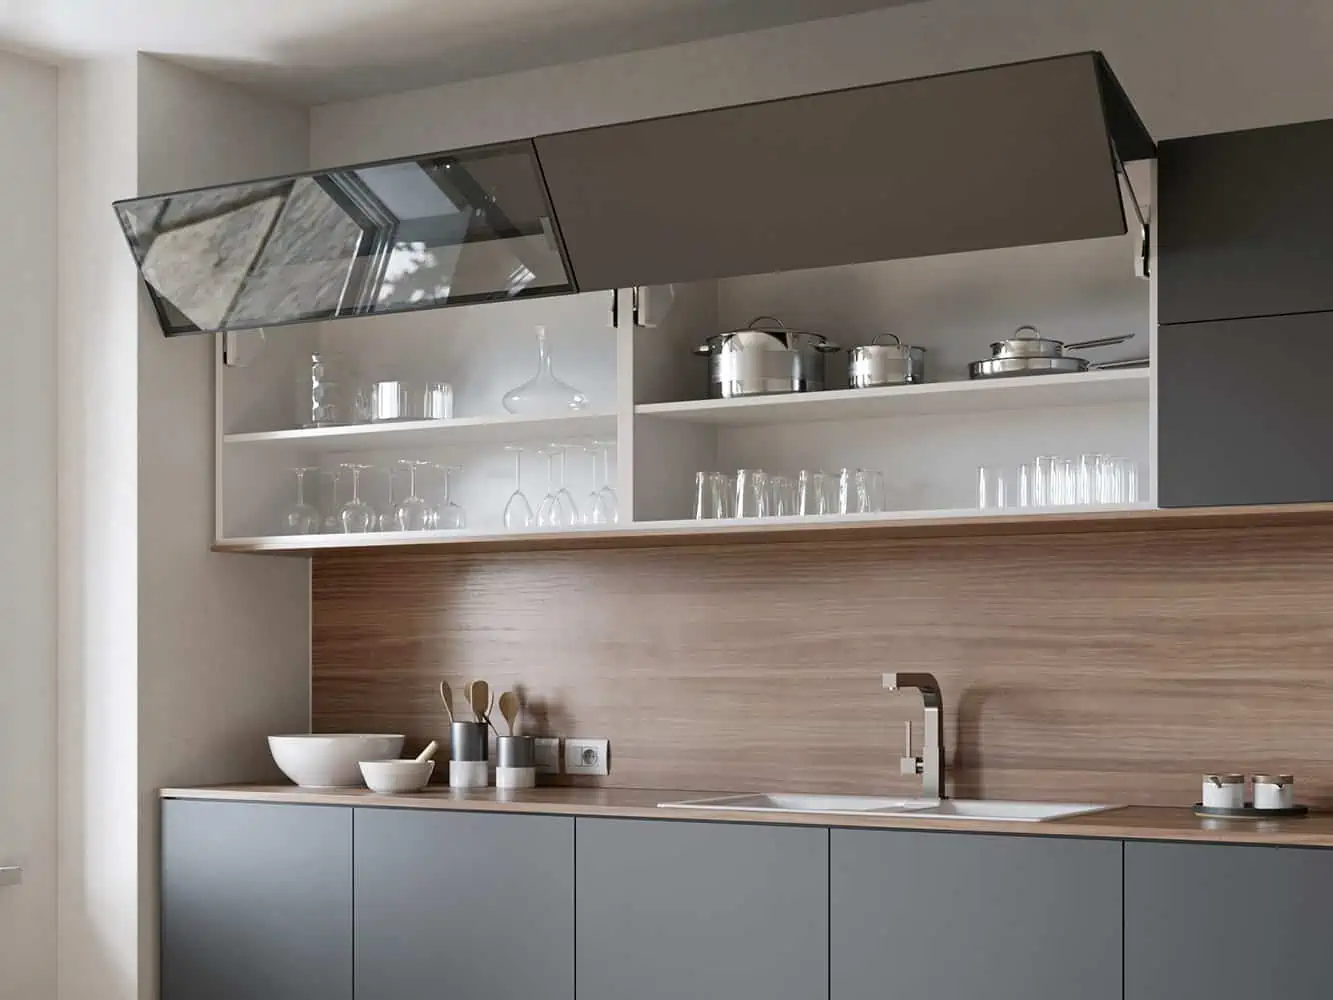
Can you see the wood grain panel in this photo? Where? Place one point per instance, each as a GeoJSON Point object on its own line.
{"type": "Point", "coordinates": [1116, 667]}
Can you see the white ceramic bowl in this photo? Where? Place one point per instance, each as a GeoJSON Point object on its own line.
{"type": "Point", "coordinates": [330, 760]}
{"type": "Point", "coordinates": [394, 777]}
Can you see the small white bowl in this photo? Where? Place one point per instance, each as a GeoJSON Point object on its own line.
{"type": "Point", "coordinates": [329, 760]}
{"type": "Point", "coordinates": [395, 777]}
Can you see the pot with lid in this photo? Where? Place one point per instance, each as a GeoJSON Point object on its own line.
{"type": "Point", "coordinates": [1027, 352]}
{"type": "Point", "coordinates": [877, 364]}
{"type": "Point", "coordinates": [759, 360]}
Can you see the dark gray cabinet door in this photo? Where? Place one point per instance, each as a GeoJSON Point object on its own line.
{"type": "Point", "coordinates": [1227, 923]}
{"type": "Point", "coordinates": [957, 916]}
{"type": "Point", "coordinates": [1245, 222]}
{"type": "Point", "coordinates": [1244, 412]}
{"type": "Point", "coordinates": [679, 911]}
{"type": "Point", "coordinates": [256, 901]}
{"type": "Point", "coordinates": [464, 905]}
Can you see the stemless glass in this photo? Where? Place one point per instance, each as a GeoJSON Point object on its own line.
{"type": "Point", "coordinates": [356, 516]}
{"type": "Point", "coordinates": [854, 492]}
{"type": "Point", "coordinates": [710, 496]}
{"type": "Point", "coordinates": [450, 516]}
{"type": "Point", "coordinates": [302, 518]}
{"type": "Point", "coordinates": [413, 513]}
{"type": "Point", "coordinates": [781, 496]}
{"type": "Point", "coordinates": [751, 493]}
{"type": "Point", "coordinates": [518, 514]}
{"type": "Point", "coordinates": [812, 493]}
{"type": "Point", "coordinates": [993, 488]}
{"type": "Point", "coordinates": [872, 486]}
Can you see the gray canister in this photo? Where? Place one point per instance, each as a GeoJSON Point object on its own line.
{"type": "Point", "coordinates": [468, 741]}
{"type": "Point", "coordinates": [516, 751]}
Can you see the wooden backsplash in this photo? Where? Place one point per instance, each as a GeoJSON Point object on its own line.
{"type": "Point", "coordinates": [1111, 667]}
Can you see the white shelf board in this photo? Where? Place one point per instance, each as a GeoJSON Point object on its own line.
{"type": "Point", "coordinates": [973, 396]}
{"type": "Point", "coordinates": [436, 433]}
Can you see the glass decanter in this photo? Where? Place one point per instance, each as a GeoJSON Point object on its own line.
{"type": "Point", "coordinates": [543, 394]}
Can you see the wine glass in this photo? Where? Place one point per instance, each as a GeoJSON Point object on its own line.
{"type": "Point", "coordinates": [518, 514]}
{"type": "Point", "coordinates": [356, 516]}
{"type": "Point", "coordinates": [610, 502]}
{"type": "Point", "coordinates": [412, 513]}
{"type": "Point", "coordinates": [594, 508]}
{"type": "Point", "coordinates": [301, 518]}
{"type": "Point", "coordinates": [557, 509]}
{"type": "Point", "coordinates": [449, 516]}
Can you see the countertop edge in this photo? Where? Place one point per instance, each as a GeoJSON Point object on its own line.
{"type": "Point", "coordinates": [1120, 823]}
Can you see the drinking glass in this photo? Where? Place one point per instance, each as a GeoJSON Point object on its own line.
{"type": "Point", "coordinates": [595, 511]}
{"type": "Point", "coordinates": [450, 516]}
{"type": "Point", "coordinates": [1086, 490]}
{"type": "Point", "coordinates": [412, 513]}
{"type": "Point", "coordinates": [1118, 482]}
{"type": "Point", "coordinates": [1064, 488]}
{"type": "Point", "coordinates": [610, 502]}
{"type": "Point", "coordinates": [557, 509]}
{"type": "Point", "coordinates": [781, 496]}
{"type": "Point", "coordinates": [812, 493]}
{"type": "Point", "coordinates": [711, 495]}
{"type": "Point", "coordinates": [1043, 477]}
{"type": "Point", "coordinates": [994, 490]}
{"type": "Point", "coordinates": [518, 514]}
{"type": "Point", "coordinates": [301, 518]}
{"type": "Point", "coordinates": [872, 483]}
{"type": "Point", "coordinates": [751, 493]}
{"type": "Point", "coordinates": [855, 491]}
{"type": "Point", "coordinates": [356, 516]}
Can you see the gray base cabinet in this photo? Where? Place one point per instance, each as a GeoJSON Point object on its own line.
{"type": "Point", "coordinates": [688, 911]}
{"type": "Point", "coordinates": [958, 916]}
{"type": "Point", "coordinates": [464, 905]}
{"type": "Point", "coordinates": [256, 901]}
{"type": "Point", "coordinates": [1227, 923]}
{"type": "Point", "coordinates": [1244, 412]}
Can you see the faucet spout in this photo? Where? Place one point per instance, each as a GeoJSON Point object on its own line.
{"type": "Point", "coordinates": [930, 765]}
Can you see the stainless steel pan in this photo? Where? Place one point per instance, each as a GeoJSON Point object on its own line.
{"type": "Point", "coordinates": [1027, 353]}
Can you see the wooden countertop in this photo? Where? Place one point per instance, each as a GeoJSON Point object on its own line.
{"type": "Point", "coordinates": [1125, 823]}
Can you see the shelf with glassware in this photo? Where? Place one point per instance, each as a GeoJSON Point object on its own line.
{"type": "Point", "coordinates": [422, 424]}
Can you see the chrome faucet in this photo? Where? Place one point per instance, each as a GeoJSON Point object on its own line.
{"type": "Point", "coordinates": [930, 765]}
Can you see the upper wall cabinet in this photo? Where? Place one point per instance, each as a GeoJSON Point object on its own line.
{"type": "Point", "coordinates": [441, 230]}
{"type": "Point", "coordinates": [1007, 156]}
{"type": "Point", "coordinates": [1245, 223]}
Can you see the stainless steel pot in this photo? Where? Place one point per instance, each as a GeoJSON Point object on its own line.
{"type": "Point", "coordinates": [876, 364]}
{"type": "Point", "coordinates": [757, 361]}
{"type": "Point", "coordinates": [1027, 353]}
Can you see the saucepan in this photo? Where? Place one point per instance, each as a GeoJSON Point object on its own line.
{"type": "Point", "coordinates": [877, 364]}
{"type": "Point", "coordinates": [760, 360]}
{"type": "Point", "coordinates": [1027, 352]}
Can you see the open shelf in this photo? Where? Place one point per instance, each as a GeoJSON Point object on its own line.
{"type": "Point", "coordinates": [436, 433]}
{"type": "Point", "coordinates": [1083, 389]}
{"type": "Point", "coordinates": [905, 525]}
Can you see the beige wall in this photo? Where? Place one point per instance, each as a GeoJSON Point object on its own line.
{"type": "Point", "coordinates": [28, 545]}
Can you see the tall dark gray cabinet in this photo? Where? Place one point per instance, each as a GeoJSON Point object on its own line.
{"type": "Point", "coordinates": [461, 904]}
{"type": "Point", "coordinates": [256, 901]}
{"type": "Point", "coordinates": [1245, 303]}
{"type": "Point", "coordinates": [1227, 923]}
{"type": "Point", "coordinates": [669, 910]}
{"type": "Point", "coordinates": [925, 914]}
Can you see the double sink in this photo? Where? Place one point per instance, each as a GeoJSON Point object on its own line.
{"type": "Point", "coordinates": [856, 805]}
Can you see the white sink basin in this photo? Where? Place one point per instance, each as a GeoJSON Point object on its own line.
{"type": "Point", "coordinates": [856, 805]}
{"type": "Point", "coordinates": [824, 804]}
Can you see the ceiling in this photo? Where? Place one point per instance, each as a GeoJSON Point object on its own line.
{"type": "Point", "coordinates": [317, 51]}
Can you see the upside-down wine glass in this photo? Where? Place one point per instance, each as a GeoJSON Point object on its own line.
{"type": "Point", "coordinates": [610, 502]}
{"type": "Point", "coordinates": [356, 516]}
{"type": "Point", "coordinates": [450, 516]}
{"type": "Point", "coordinates": [594, 508]}
{"type": "Point", "coordinates": [557, 509]}
{"type": "Point", "coordinates": [518, 514]}
{"type": "Point", "coordinates": [301, 518]}
{"type": "Point", "coordinates": [412, 513]}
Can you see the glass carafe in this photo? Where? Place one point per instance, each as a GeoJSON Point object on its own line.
{"type": "Point", "coordinates": [543, 394]}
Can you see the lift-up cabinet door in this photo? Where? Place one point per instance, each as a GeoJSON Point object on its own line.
{"type": "Point", "coordinates": [941, 915]}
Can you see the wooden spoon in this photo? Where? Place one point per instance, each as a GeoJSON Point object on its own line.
{"type": "Point", "coordinates": [447, 696]}
{"type": "Point", "coordinates": [509, 709]}
{"type": "Point", "coordinates": [479, 695]}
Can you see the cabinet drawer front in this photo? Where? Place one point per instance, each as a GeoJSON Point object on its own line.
{"type": "Point", "coordinates": [672, 910]}
{"type": "Point", "coordinates": [922, 914]}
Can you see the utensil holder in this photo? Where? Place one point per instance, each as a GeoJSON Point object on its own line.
{"type": "Point", "coordinates": [469, 774]}
{"type": "Point", "coordinates": [516, 762]}
{"type": "Point", "coordinates": [469, 751]}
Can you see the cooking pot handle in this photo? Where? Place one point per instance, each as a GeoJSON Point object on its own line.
{"type": "Point", "coordinates": [780, 325]}
{"type": "Point", "coordinates": [1100, 342]}
{"type": "Point", "coordinates": [827, 348]}
{"type": "Point", "coordinates": [703, 350]}
{"type": "Point", "coordinates": [895, 337]}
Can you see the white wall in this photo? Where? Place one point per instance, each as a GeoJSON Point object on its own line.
{"type": "Point", "coordinates": [27, 508]}
{"type": "Point", "coordinates": [223, 639]}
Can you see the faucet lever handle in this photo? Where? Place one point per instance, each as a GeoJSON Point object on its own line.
{"type": "Point", "coordinates": [909, 763]}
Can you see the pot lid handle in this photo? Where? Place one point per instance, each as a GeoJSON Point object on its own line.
{"type": "Point", "coordinates": [752, 325]}
{"type": "Point", "coordinates": [1027, 332]}
{"type": "Point", "coordinates": [892, 336]}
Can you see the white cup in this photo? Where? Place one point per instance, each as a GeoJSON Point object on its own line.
{"type": "Point", "coordinates": [1224, 791]}
{"type": "Point", "coordinates": [1274, 791]}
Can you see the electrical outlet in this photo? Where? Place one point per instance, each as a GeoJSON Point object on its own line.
{"type": "Point", "coordinates": [548, 755]}
{"type": "Point", "coordinates": [587, 756]}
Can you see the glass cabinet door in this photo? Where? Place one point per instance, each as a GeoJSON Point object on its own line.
{"type": "Point", "coordinates": [418, 233]}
